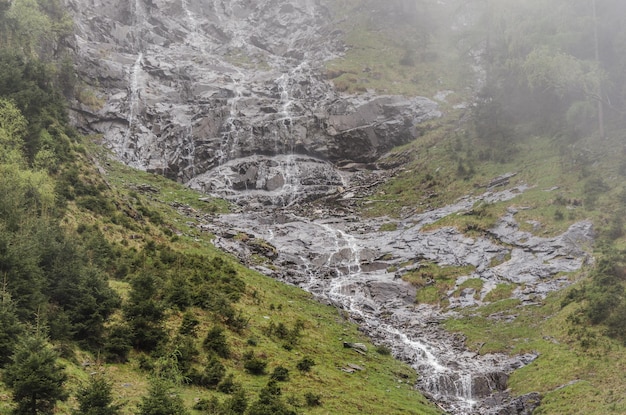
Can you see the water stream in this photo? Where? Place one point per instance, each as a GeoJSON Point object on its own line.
{"type": "Point", "coordinates": [349, 263]}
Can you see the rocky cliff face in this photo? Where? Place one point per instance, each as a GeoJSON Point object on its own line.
{"type": "Point", "coordinates": [228, 95]}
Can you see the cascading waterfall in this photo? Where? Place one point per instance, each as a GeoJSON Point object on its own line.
{"type": "Point", "coordinates": [135, 79]}
{"type": "Point", "coordinates": [230, 132]}
{"type": "Point", "coordinates": [344, 259]}
{"type": "Point", "coordinates": [278, 90]}
{"type": "Point", "coordinates": [135, 76]}
{"type": "Point", "coordinates": [194, 39]}
{"type": "Point", "coordinates": [291, 172]}
{"type": "Point", "coordinates": [189, 147]}
{"type": "Point", "coordinates": [345, 264]}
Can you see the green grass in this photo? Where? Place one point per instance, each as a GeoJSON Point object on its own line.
{"type": "Point", "coordinates": [433, 282]}
{"type": "Point", "coordinates": [151, 206]}
{"type": "Point", "coordinates": [573, 378]}
{"type": "Point", "coordinates": [377, 52]}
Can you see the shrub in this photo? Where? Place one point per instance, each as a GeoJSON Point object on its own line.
{"type": "Point", "coordinates": [215, 341]}
{"type": "Point", "coordinates": [383, 350]}
{"type": "Point", "coordinates": [254, 365]}
{"type": "Point", "coordinates": [280, 374]}
{"type": "Point", "coordinates": [305, 364]}
{"type": "Point", "coordinates": [118, 344]}
{"type": "Point", "coordinates": [312, 399]}
{"type": "Point", "coordinates": [228, 384]}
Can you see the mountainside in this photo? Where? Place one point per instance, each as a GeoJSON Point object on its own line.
{"type": "Point", "coordinates": [277, 104]}
{"type": "Point", "coordinates": [476, 235]}
{"type": "Point", "coordinates": [232, 96]}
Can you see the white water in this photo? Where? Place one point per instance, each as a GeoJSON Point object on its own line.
{"type": "Point", "coordinates": [190, 147]}
{"type": "Point", "coordinates": [230, 132]}
{"type": "Point", "coordinates": [135, 81]}
{"type": "Point", "coordinates": [342, 260]}
{"type": "Point", "coordinates": [347, 288]}
{"type": "Point", "coordinates": [135, 85]}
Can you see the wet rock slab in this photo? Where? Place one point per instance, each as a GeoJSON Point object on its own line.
{"type": "Point", "coordinates": [347, 263]}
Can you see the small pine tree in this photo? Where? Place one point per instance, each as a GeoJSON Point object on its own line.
{"type": "Point", "coordinates": [95, 398]}
{"type": "Point", "coordinates": [215, 341]}
{"type": "Point", "coordinates": [189, 325]}
{"type": "Point", "coordinates": [35, 377]}
{"type": "Point", "coordinates": [118, 344]}
{"type": "Point", "coordinates": [254, 365]}
{"type": "Point", "coordinates": [305, 364]}
{"type": "Point", "coordinates": [280, 374]}
{"type": "Point", "coordinates": [237, 404]}
{"type": "Point", "coordinates": [144, 313]}
{"type": "Point", "coordinates": [228, 385]}
{"type": "Point", "coordinates": [270, 402]}
{"type": "Point", "coordinates": [161, 401]}
{"type": "Point", "coordinates": [10, 327]}
{"type": "Point", "coordinates": [213, 373]}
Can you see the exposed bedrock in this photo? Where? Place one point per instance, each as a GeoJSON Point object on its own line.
{"type": "Point", "coordinates": [183, 88]}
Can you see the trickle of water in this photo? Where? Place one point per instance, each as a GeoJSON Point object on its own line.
{"type": "Point", "coordinates": [190, 146]}
{"type": "Point", "coordinates": [135, 77]}
{"type": "Point", "coordinates": [283, 85]}
{"type": "Point", "coordinates": [346, 258]}
{"type": "Point", "coordinates": [230, 131]}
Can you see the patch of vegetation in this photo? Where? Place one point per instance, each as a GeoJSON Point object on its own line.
{"type": "Point", "coordinates": [475, 284]}
{"type": "Point", "coordinates": [435, 281]}
{"type": "Point", "coordinates": [388, 227]}
{"type": "Point", "coordinates": [500, 292]}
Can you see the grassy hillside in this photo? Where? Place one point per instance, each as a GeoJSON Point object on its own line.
{"type": "Point", "coordinates": [136, 213]}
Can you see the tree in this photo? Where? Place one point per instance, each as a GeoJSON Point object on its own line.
{"type": "Point", "coordinates": [305, 364]}
{"type": "Point", "coordinates": [270, 402]}
{"type": "Point", "coordinates": [35, 377]}
{"type": "Point", "coordinates": [95, 398]}
{"type": "Point", "coordinates": [118, 344]}
{"type": "Point", "coordinates": [237, 404]}
{"type": "Point", "coordinates": [144, 313]}
{"type": "Point", "coordinates": [215, 341]}
{"type": "Point", "coordinates": [13, 128]}
{"type": "Point", "coordinates": [212, 374]}
{"type": "Point", "coordinates": [10, 327]}
{"type": "Point", "coordinates": [161, 401]}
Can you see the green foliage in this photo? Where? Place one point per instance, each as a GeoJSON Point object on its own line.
{"type": "Point", "coordinates": [118, 343]}
{"type": "Point", "coordinates": [228, 385]}
{"type": "Point", "coordinates": [215, 341]}
{"type": "Point", "coordinates": [10, 328]}
{"type": "Point", "coordinates": [289, 336]}
{"type": "Point", "coordinates": [144, 313]}
{"type": "Point", "coordinates": [13, 129]}
{"type": "Point", "coordinates": [312, 399]}
{"type": "Point", "coordinates": [383, 350]}
{"type": "Point", "coordinates": [237, 404]}
{"type": "Point", "coordinates": [35, 377]}
{"type": "Point", "coordinates": [161, 400]}
{"type": "Point", "coordinates": [96, 398]}
{"type": "Point", "coordinates": [29, 85]}
{"type": "Point", "coordinates": [305, 364]}
{"type": "Point", "coordinates": [280, 374]}
{"type": "Point", "coordinates": [548, 64]}
{"type": "Point", "coordinates": [189, 324]}
{"type": "Point", "coordinates": [270, 402]}
{"type": "Point", "coordinates": [79, 292]}
{"type": "Point", "coordinates": [212, 374]}
{"type": "Point", "coordinates": [254, 365]}
{"type": "Point", "coordinates": [604, 298]}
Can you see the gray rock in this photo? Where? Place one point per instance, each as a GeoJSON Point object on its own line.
{"type": "Point", "coordinates": [191, 88]}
